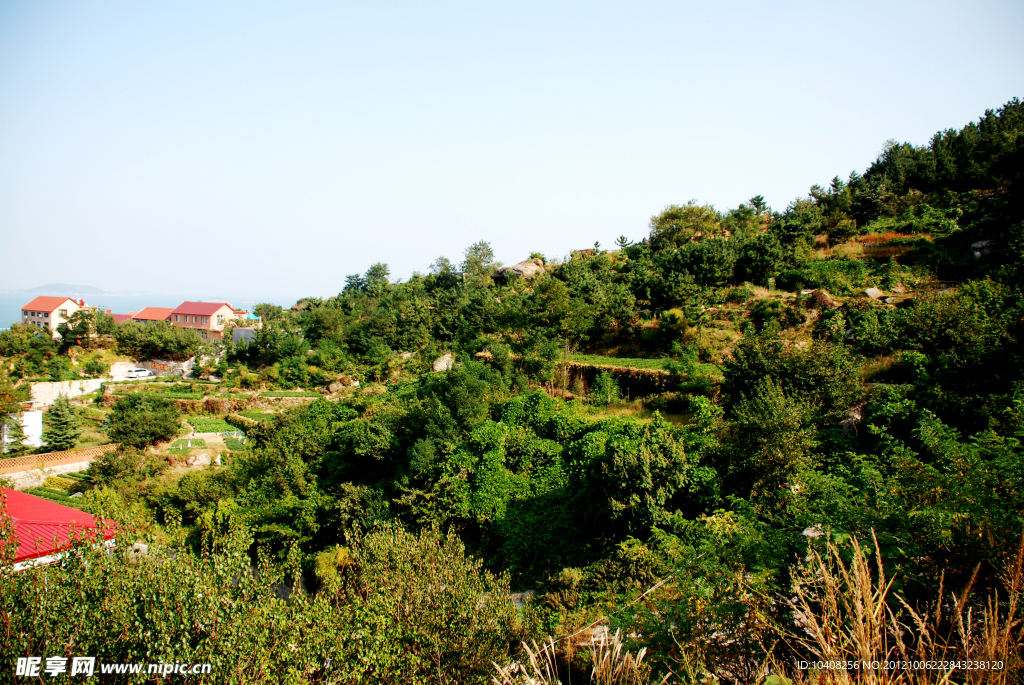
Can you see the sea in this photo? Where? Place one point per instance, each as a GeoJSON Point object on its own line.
{"type": "Point", "coordinates": [11, 303]}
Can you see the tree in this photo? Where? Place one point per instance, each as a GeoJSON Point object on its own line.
{"type": "Point", "coordinates": [479, 257]}
{"type": "Point", "coordinates": [759, 205]}
{"type": "Point", "coordinates": [139, 420]}
{"type": "Point", "coordinates": [761, 258]}
{"type": "Point", "coordinates": [13, 434]}
{"type": "Point", "coordinates": [376, 278]}
{"type": "Point", "coordinates": [606, 389]}
{"type": "Point", "coordinates": [268, 312]}
{"type": "Point", "coordinates": [441, 265]}
{"type": "Point", "coordinates": [62, 429]}
{"type": "Point", "coordinates": [679, 224]}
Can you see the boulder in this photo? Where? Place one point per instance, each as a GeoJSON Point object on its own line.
{"type": "Point", "coordinates": [444, 363]}
{"type": "Point", "coordinates": [527, 269]}
{"type": "Point", "coordinates": [982, 248]}
{"type": "Point", "coordinates": [339, 383]}
{"type": "Point", "coordinates": [820, 299]}
{"type": "Point", "coordinates": [873, 293]}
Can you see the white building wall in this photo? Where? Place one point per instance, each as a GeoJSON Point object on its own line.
{"type": "Point", "coordinates": [32, 425]}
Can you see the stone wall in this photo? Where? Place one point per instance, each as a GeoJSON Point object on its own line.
{"type": "Point", "coordinates": [44, 394]}
{"type": "Point", "coordinates": [160, 367]}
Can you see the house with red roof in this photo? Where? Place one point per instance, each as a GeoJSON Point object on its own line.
{"type": "Point", "coordinates": [44, 531]}
{"type": "Point", "coordinates": [208, 318]}
{"type": "Point", "coordinates": [153, 314]}
{"type": "Point", "coordinates": [49, 312]}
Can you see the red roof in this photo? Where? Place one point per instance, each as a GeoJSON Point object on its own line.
{"type": "Point", "coordinates": [42, 527]}
{"type": "Point", "coordinates": [153, 314]}
{"type": "Point", "coordinates": [46, 304]}
{"type": "Point", "coordinates": [119, 318]}
{"type": "Point", "coordinates": [200, 308]}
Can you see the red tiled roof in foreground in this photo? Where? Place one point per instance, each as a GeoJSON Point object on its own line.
{"type": "Point", "coordinates": [153, 314]}
{"type": "Point", "coordinates": [120, 318]}
{"type": "Point", "coordinates": [200, 308]}
{"type": "Point", "coordinates": [43, 528]}
{"type": "Point", "coordinates": [46, 304]}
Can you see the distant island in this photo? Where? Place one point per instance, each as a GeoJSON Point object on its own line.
{"type": "Point", "coordinates": [65, 289]}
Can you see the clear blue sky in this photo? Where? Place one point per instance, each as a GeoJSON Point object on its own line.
{"type": "Point", "coordinates": [266, 150]}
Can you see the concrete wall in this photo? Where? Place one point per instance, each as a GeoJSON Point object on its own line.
{"type": "Point", "coordinates": [119, 370]}
{"type": "Point", "coordinates": [44, 394]}
{"type": "Point", "coordinates": [160, 367]}
{"type": "Point", "coordinates": [32, 424]}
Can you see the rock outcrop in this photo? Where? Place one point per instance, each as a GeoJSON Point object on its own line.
{"type": "Point", "coordinates": [873, 293]}
{"type": "Point", "coordinates": [528, 269]}
{"type": "Point", "coordinates": [820, 299]}
{"type": "Point", "coordinates": [444, 363]}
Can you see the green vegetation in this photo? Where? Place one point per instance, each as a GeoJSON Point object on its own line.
{"type": "Point", "coordinates": [256, 415]}
{"type": "Point", "coordinates": [59, 496]}
{"type": "Point", "coordinates": [170, 395]}
{"type": "Point", "coordinates": [61, 431]}
{"type": "Point", "coordinates": [235, 444]}
{"type": "Point", "coordinates": [188, 442]}
{"type": "Point", "coordinates": [158, 341]}
{"type": "Point", "coordinates": [599, 360]}
{"type": "Point", "coordinates": [210, 424]}
{"type": "Point", "coordinates": [138, 420]}
{"type": "Point", "coordinates": [795, 437]}
{"type": "Point", "coordinates": [285, 393]}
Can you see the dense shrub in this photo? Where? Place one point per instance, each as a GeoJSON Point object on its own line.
{"type": "Point", "coordinates": [138, 420]}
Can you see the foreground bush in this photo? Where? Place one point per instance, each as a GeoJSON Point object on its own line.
{"type": "Point", "coordinates": [398, 608]}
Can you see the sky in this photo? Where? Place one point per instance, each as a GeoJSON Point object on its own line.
{"type": "Point", "coordinates": [265, 150]}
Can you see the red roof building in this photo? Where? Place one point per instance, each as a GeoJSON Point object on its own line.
{"type": "Point", "coordinates": [49, 312]}
{"type": "Point", "coordinates": [45, 530]}
{"type": "Point", "coordinates": [121, 318]}
{"type": "Point", "coordinates": [208, 318]}
{"type": "Point", "coordinates": [153, 314]}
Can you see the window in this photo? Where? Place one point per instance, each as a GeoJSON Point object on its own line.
{"type": "Point", "coordinates": [204, 319]}
{"type": "Point", "coordinates": [193, 319]}
{"type": "Point", "coordinates": [63, 312]}
{"type": "Point", "coordinates": [24, 313]}
{"type": "Point", "coordinates": [176, 318]}
{"type": "Point", "coordinates": [220, 319]}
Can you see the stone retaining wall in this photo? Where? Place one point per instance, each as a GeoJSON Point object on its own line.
{"type": "Point", "coordinates": [44, 394]}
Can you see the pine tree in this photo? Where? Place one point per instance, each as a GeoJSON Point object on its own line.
{"type": "Point", "coordinates": [13, 434]}
{"type": "Point", "coordinates": [62, 432]}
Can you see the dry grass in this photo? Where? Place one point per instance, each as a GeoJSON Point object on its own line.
{"type": "Point", "coordinates": [888, 237]}
{"type": "Point", "coordinates": [848, 617]}
{"type": "Point", "coordinates": [876, 367]}
{"type": "Point", "coordinates": [611, 664]}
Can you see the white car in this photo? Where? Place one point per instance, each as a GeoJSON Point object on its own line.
{"type": "Point", "coordinates": [139, 373]}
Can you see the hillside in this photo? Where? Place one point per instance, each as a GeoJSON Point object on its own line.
{"type": "Point", "coordinates": [752, 419]}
